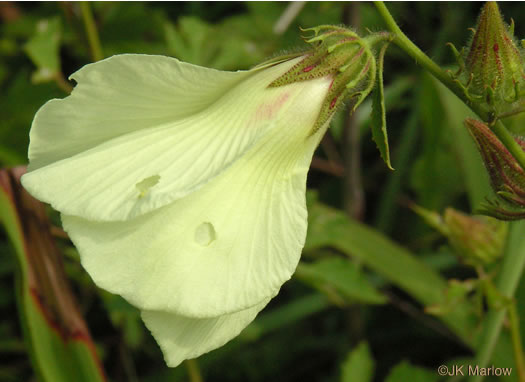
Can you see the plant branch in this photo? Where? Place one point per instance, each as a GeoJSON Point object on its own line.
{"type": "Point", "coordinates": [413, 51]}
{"type": "Point", "coordinates": [516, 340]}
{"type": "Point", "coordinates": [508, 279]}
{"type": "Point", "coordinates": [514, 259]}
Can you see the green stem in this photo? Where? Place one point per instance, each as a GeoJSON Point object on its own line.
{"type": "Point", "coordinates": [62, 83]}
{"type": "Point", "coordinates": [193, 370]}
{"type": "Point", "coordinates": [510, 143]}
{"type": "Point", "coordinates": [409, 47]}
{"type": "Point", "coordinates": [514, 259]}
{"type": "Point", "coordinates": [508, 279]}
{"type": "Point", "coordinates": [516, 340]}
{"type": "Point", "coordinates": [413, 51]}
{"type": "Point", "coordinates": [91, 30]}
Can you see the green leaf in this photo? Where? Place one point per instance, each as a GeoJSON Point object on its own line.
{"type": "Point", "coordinates": [58, 339]}
{"type": "Point", "coordinates": [189, 41]}
{"type": "Point", "coordinates": [435, 167]}
{"type": "Point", "coordinates": [330, 227]}
{"type": "Point", "coordinates": [43, 49]}
{"type": "Point", "coordinates": [359, 365]}
{"type": "Point", "coordinates": [341, 276]}
{"type": "Point", "coordinates": [405, 371]}
{"type": "Point", "coordinates": [379, 133]}
{"type": "Point", "coordinates": [465, 153]}
{"type": "Point", "coordinates": [295, 310]}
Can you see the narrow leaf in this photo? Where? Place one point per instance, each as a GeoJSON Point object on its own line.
{"type": "Point", "coordinates": [340, 276]}
{"type": "Point", "coordinates": [58, 339]}
{"type": "Point", "coordinates": [332, 228]}
{"type": "Point", "coordinates": [275, 319]}
{"type": "Point", "coordinates": [379, 133]}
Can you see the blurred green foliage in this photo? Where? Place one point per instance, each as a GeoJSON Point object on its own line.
{"type": "Point", "coordinates": [355, 311]}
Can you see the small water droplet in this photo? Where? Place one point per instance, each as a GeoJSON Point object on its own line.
{"type": "Point", "coordinates": [205, 234]}
{"type": "Point", "coordinates": [145, 184]}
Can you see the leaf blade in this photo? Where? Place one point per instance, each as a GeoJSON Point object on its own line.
{"type": "Point", "coordinates": [59, 341]}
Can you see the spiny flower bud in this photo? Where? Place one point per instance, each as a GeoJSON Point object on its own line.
{"type": "Point", "coordinates": [494, 62]}
{"type": "Point", "coordinates": [341, 54]}
{"type": "Point", "coordinates": [507, 178]}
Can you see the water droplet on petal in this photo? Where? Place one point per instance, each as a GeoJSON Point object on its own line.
{"type": "Point", "coordinates": [205, 234]}
{"type": "Point", "coordinates": [145, 184]}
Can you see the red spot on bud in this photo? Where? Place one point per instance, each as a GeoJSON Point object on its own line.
{"type": "Point", "coordinates": [495, 47]}
{"type": "Point", "coordinates": [332, 104]}
{"type": "Point", "coordinates": [308, 68]}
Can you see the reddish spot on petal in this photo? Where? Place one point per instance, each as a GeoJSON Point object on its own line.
{"type": "Point", "coordinates": [331, 83]}
{"type": "Point", "coordinates": [332, 104]}
{"type": "Point", "coordinates": [269, 110]}
{"type": "Point", "coordinates": [308, 68]}
{"type": "Point", "coordinates": [495, 47]}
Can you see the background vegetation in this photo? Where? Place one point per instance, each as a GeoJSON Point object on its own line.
{"type": "Point", "coordinates": [358, 308]}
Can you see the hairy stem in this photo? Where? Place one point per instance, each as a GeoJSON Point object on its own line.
{"type": "Point", "coordinates": [413, 51]}
{"type": "Point", "coordinates": [514, 259]}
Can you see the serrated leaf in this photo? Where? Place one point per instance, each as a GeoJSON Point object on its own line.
{"type": "Point", "coordinates": [58, 339]}
{"type": "Point", "coordinates": [379, 133]}
{"type": "Point", "coordinates": [405, 371]}
{"type": "Point", "coordinates": [359, 365]}
{"type": "Point", "coordinates": [342, 276]}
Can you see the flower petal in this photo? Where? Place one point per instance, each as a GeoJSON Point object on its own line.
{"type": "Point", "coordinates": [148, 162]}
{"type": "Point", "coordinates": [183, 338]}
{"type": "Point", "coordinates": [120, 95]}
{"type": "Point", "coordinates": [227, 246]}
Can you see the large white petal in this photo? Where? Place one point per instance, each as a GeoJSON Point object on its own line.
{"type": "Point", "coordinates": [119, 95]}
{"type": "Point", "coordinates": [183, 338]}
{"type": "Point", "coordinates": [147, 168]}
{"type": "Point", "coordinates": [226, 247]}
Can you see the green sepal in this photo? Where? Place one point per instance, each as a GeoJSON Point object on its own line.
{"type": "Point", "coordinates": [341, 54]}
{"type": "Point", "coordinates": [379, 132]}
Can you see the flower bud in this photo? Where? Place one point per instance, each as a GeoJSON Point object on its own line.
{"type": "Point", "coordinates": [507, 178]}
{"type": "Point", "coordinates": [494, 62]}
{"type": "Point", "coordinates": [478, 240]}
{"type": "Point", "coordinates": [342, 55]}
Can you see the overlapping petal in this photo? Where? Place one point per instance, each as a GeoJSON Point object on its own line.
{"type": "Point", "coordinates": [183, 338]}
{"type": "Point", "coordinates": [183, 188]}
{"type": "Point", "coordinates": [139, 132]}
{"type": "Point", "coordinates": [223, 248]}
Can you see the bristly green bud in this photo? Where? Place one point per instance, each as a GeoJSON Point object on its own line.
{"type": "Point", "coordinates": [341, 54]}
{"type": "Point", "coordinates": [494, 63]}
{"type": "Point", "coordinates": [477, 240]}
{"type": "Point", "coordinates": [507, 178]}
